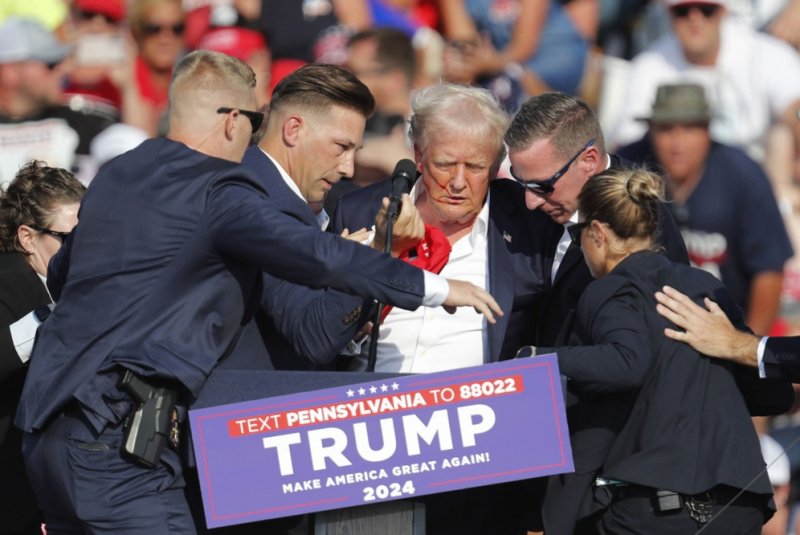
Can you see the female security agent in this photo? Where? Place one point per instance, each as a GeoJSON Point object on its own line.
{"type": "Point", "coordinates": [38, 209]}
{"type": "Point", "coordinates": [661, 436]}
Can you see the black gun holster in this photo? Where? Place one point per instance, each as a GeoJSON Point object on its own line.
{"type": "Point", "coordinates": [153, 423]}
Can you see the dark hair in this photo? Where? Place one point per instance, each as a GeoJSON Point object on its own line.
{"type": "Point", "coordinates": [393, 51]}
{"type": "Point", "coordinates": [625, 199]}
{"type": "Point", "coordinates": [320, 85]}
{"type": "Point", "coordinates": [567, 121]}
{"type": "Point", "coordinates": [36, 191]}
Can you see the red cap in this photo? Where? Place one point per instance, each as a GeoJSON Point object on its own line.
{"type": "Point", "coordinates": [240, 43]}
{"type": "Point", "coordinates": [113, 8]}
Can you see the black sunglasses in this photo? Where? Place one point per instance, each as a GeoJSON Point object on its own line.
{"type": "Point", "coordinates": [682, 11]}
{"type": "Point", "coordinates": [155, 29]}
{"type": "Point", "coordinates": [54, 233]}
{"type": "Point", "coordinates": [547, 186]}
{"type": "Point", "coordinates": [256, 117]}
{"type": "Point", "coordinates": [575, 230]}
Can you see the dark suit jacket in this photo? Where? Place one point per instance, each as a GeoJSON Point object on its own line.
{"type": "Point", "coordinates": [650, 410]}
{"type": "Point", "coordinates": [21, 291]}
{"type": "Point", "coordinates": [573, 276]}
{"type": "Point", "coordinates": [164, 272]}
{"type": "Point", "coordinates": [296, 327]}
{"type": "Point", "coordinates": [520, 244]}
{"type": "Point", "coordinates": [782, 358]}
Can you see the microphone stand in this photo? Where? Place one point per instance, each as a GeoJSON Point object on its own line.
{"type": "Point", "coordinates": [372, 357]}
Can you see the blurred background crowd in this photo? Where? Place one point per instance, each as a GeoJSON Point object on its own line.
{"type": "Point", "coordinates": [82, 81]}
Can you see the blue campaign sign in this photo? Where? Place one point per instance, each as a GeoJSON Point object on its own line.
{"type": "Point", "coordinates": [382, 440]}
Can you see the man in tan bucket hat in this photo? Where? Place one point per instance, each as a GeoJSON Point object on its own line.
{"type": "Point", "coordinates": [721, 199]}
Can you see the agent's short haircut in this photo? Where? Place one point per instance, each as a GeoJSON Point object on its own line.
{"type": "Point", "coordinates": [567, 121]}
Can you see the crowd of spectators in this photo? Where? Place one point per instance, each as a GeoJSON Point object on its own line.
{"type": "Point", "coordinates": [82, 81]}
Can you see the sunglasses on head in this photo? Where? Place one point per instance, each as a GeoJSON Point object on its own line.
{"type": "Point", "coordinates": [547, 186]}
{"type": "Point", "coordinates": [256, 117]}
{"type": "Point", "coordinates": [156, 29]}
{"type": "Point", "coordinates": [683, 10]}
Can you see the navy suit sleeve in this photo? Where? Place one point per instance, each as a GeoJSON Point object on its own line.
{"type": "Point", "coordinates": [782, 358]}
{"type": "Point", "coordinates": [763, 398]}
{"type": "Point", "coordinates": [244, 224]}
{"type": "Point", "coordinates": [620, 353]}
{"type": "Point", "coordinates": [317, 323]}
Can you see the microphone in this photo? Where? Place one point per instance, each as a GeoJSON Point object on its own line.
{"type": "Point", "coordinates": [403, 178]}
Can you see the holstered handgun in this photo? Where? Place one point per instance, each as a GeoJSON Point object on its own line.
{"type": "Point", "coordinates": [149, 427]}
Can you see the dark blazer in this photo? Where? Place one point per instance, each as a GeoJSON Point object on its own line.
{"type": "Point", "coordinates": [573, 276]}
{"type": "Point", "coordinates": [21, 290]}
{"type": "Point", "coordinates": [164, 270]}
{"type": "Point", "coordinates": [520, 244]}
{"type": "Point", "coordinates": [650, 410]}
{"type": "Point", "coordinates": [296, 327]}
{"type": "Point", "coordinates": [782, 358]}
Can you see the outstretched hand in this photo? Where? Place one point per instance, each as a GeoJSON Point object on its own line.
{"type": "Point", "coordinates": [464, 293]}
{"type": "Point", "coordinates": [708, 330]}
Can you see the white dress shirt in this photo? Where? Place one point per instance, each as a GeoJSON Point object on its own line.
{"type": "Point", "coordinates": [430, 339]}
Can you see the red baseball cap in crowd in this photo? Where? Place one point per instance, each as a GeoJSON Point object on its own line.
{"type": "Point", "coordinates": [241, 43]}
{"type": "Point", "coordinates": [113, 9]}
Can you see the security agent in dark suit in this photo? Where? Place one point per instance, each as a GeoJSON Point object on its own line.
{"type": "Point", "coordinates": [709, 331]}
{"type": "Point", "coordinates": [555, 146]}
{"type": "Point", "coordinates": [158, 281]}
{"type": "Point", "coordinates": [671, 429]}
{"type": "Point", "coordinates": [457, 137]}
{"type": "Point", "coordinates": [558, 136]}
{"type": "Point", "coordinates": [37, 209]}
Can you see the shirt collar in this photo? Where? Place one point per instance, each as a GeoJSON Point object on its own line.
{"type": "Point", "coordinates": [322, 218]}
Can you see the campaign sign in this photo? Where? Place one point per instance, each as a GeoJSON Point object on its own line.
{"type": "Point", "coordinates": [384, 440]}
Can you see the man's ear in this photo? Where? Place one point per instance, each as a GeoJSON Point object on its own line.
{"type": "Point", "coordinates": [592, 161]}
{"type": "Point", "coordinates": [292, 129]}
{"type": "Point", "coordinates": [231, 121]}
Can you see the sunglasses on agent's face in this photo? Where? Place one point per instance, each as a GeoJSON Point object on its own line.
{"type": "Point", "coordinates": [683, 10]}
{"type": "Point", "coordinates": [151, 29]}
{"type": "Point", "coordinates": [575, 231]}
{"type": "Point", "coordinates": [547, 186]}
{"type": "Point", "coordinates": [61, 236]}
{"type": "Point", "coordinates": [255, 117]}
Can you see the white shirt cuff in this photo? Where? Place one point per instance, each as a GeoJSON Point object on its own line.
{"type": "Point", "coordinates": [762, 345]}
{"type": "Point", "coordinates": [23, 333]}
{"type": "Point", "coordinates": [436, 289]}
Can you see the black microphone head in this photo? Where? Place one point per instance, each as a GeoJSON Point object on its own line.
{"type": "Point", "coordinates": [405, 168]}
{"type": "Point", "coordinates": [403, 177]}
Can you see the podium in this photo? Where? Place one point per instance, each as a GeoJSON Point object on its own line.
{"type": "Point", "coordinates": [402, 517]}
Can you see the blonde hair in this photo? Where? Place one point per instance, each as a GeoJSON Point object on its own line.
{"type": "Point", "coordinates": [627, 200]}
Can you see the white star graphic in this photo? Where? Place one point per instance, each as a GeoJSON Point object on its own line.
{"type": "Point", "coordinates": [384, 388]}
{"type": "Point", "coordinates": [361, 391]}
{"type": "Point", "coordinates": [373, 389]}
{"type": "Point", "coordinates": [395, 386]}
{"type": "Point", "coordinates": [350, 393]}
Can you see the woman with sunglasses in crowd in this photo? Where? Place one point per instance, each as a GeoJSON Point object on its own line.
{"type": "Point", "coordinates": [38, 210]}
{"type": "Point", "coordinates": [672, 426]}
